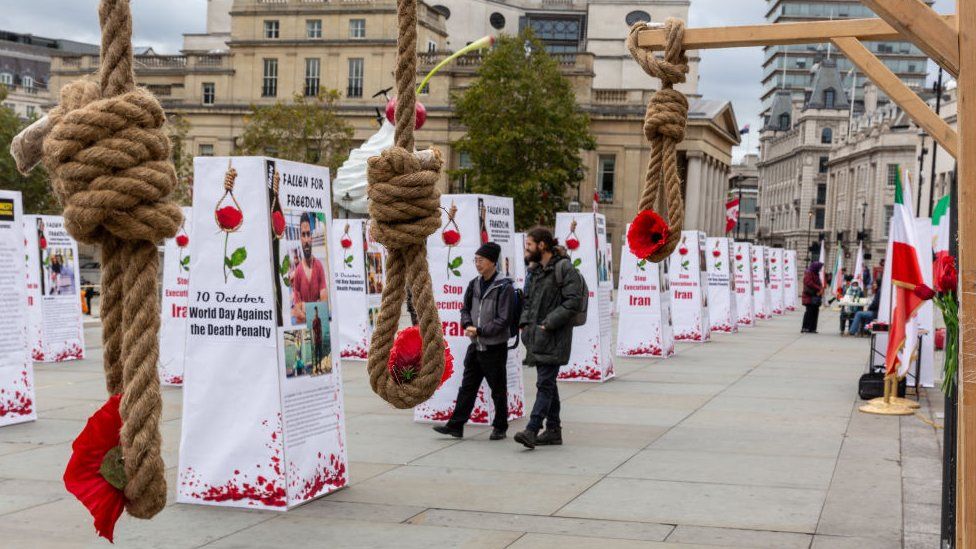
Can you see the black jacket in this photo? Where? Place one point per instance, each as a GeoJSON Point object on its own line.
{"type": "Point", "coordinates": [490, 314]}
{"type": "Point", "coordinates": [549, 305]}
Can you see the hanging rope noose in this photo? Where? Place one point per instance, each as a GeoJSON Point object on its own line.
{"type": "Point", "coordinates": [403, 202]}
{"type": "Point", "coordinates": [108, 157]}
{"type": "Point", "coordinates": [664, 127]}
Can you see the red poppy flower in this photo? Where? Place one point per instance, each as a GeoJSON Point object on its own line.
{"type": "Point", "coordinates": [43, 243]}
{"type": "Point", "coordinates": [923, 292]}
{"type": "Point", "coordinates": [94, 474]}
{"type": "Point", "coordinates": [278, 223]}
{"type": "Point", "coordinates": [346, 242]}
{"type": "Point", "coordinates": [406, 355]}
{"type": "Point", "coordinates": [451, 237]}
{"type": "Point", "coordinates": [647, 234]}
{"type": "Point", "coordinates": [229, 218]}
{"type": "Point", "coordinates": [572, 243]}
{"type": "Point", "coordinates": [946, 277]}
{"type": "Point", "coordinates": [182, 240]}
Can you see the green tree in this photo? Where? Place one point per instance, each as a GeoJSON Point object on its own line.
{"type": "Point", "coordinates": [308, 129]}
{"type": "Point", "coordinates": [35, 187]}
{"type": "Point", "coordinates": [524, 130]}
{"type": "Point", "coordinates": [177, 129]}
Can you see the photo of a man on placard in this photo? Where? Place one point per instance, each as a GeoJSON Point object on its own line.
{"type": "Point", "coordinates": [309, 278]}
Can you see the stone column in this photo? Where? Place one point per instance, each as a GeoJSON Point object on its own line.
{"type": "Point", "coordinates": [693, 189]}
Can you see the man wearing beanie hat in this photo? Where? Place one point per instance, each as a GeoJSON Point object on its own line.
{"type": "Point", "coordinates": [486, 317]}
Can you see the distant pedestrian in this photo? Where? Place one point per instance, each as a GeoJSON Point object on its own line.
{"type": "Point", "coordinates": [812, 297]}
{"type": "Point", "coordinates": [487, 319]}
{"type": "Point", "coordinates": [553, 299]}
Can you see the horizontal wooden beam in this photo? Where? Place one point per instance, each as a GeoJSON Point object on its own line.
{"type": "Point", "coordinates": [778, 34]}
{"type": "Point", "coordinates": [924, 27]}
{"type": "Point", "coordinates": [897, 91]}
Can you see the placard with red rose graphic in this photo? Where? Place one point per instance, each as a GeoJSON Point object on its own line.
{"type": "Point", "coordinates": [174, 305]}
{"type": "Point", "coordinates": [643, 308]}
{"type": "Point", "coordinates": [350, 274]}
{"type": "Point", "coordinates": [722, 311]}
{"type": "Point", "coordinates": [16, 369]}
{"type": "Point", "coordinates": [55, 331]}
{"type": "Point", "coordinates": [760, 284]}
{"type": "Point", "coordinates": [742, 270]}
{"type": "Point", "coordinates": [774, 264]}
{"type": "Point", "coordinates": [689, 296]}
{"type": "Point", "coordinates": [263, 419]}
{"type": "Point", "coordinates": [467, 222]}
{"type": "Point", "coordinates": [790, 284]}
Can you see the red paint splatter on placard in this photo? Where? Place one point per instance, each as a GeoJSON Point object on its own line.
{"type": "Point", "coordinates": [37, 355]}
{"type": "Point", "coordinates": [17, 401]}
{"type": "Point", "coordinates": [172, 379]}
{"type": "Point", "coordinates": [726, 328]}
{"type": "Point", "coordinates": [516, 408]}
{"type": "Point", "coordinates": [644, 349]}
{"type": "Point", "coordinates": [359, 350]}
{"type": "Point", "coordinates": [71, 352]}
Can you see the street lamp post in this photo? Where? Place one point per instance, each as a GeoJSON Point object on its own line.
{"type": "Point", "coordinates": [864, 211]}
{"type": "Point", "coordinates": [810, 234]}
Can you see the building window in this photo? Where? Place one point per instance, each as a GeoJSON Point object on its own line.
{"type": "Point", "coordinates": [355, 88]}
{"type": "Point", "coordinates": [829, 98]}
{"type": "Point", "coordinates": [209, 93]}
{"type": "Point", "coordinates": [28, 83]}
{"type": "Point", "coordinates": [269, 87]}
{"type": "Point", "coordinates": [637, 15]}
{"type": "Point", "coordinates": [431, 46]}
{"type": "Point", "coordinates": [821, 194]}
{"type": "Point", "coordinates": [823, 165]}
{"type": "Point", "coordinates": [271, 29]}
{"type": "Point", "coordinates": [497, 21]}
{"type": "Point", "coordinates": [888, 212]}
{"type": "Point", "coordinates": [312, 66]}
{"type": "Point", "coordinates": [357, 28]}
{"type": "Point", "coordinates": [6, 79]}
{"type": "Point", "coordinates": [784, 121]}
{"type": "Point", "coordinates": [31, 110]}
{"type": "Point", "coordinates": [443, 10]}
{"type": "Point", "coordinates": [313, 28]}
{"type": "Point", "coordinates": [827, 135]}
{"type": "Point", "coordinates": [818, 219]}
{"type": "Point", "coordinates": [892, 174]}
{"type": "Point", "coordinates": [206, 149]}
{"type": "Point", "coordinates": [605, 171]}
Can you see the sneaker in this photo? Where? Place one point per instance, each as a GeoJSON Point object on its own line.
{"type": "Point", "coordinates": [526, 438]}
{"type": "Point", "coordinates": [445, 430]}
{"type": "Point", "coordinates": [497, 434]}
{"type": "Point", "coordinates": [550, 437]}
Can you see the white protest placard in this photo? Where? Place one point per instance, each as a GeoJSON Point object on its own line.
{"type": "Point", "coordinates": [744, 304]}
{"type": "Point", "coordinates": [790, 283]}
{"type": "Point", "coordinates": [689, 296]}
{"type": "Point", "coordinates": [518, 261]}
{"type": "Point", "coordinates": [643, 307]}
{"type": "Point", "coordinates": [774, 265]}
{"type": "Point", "coordinates": [584, 235]}
{"type": "Point", "coordinates": [263, 419]}
{"type": "Point", "coordinates": [54, 326]}
{"type": "Point", "coordinates": [478, 219]}
{"type": "Point", "coordinates": [173, 307]}
{"type": "Point", "coordinates": [722, 311]}
{"type": "Point", "coordinates": [760, 284]}
{"type": "Point", "coordinates": [350, 272]}
{"type": "Point", "coordinates": [16, 369]}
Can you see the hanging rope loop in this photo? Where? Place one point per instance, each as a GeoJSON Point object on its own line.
{"type": "Point", "coordinates": [664, 127]}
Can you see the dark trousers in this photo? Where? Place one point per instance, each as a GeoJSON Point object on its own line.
{"type": "Point", "coordinates": [810, 318]}
{"type": "Point", "coordinates": [546, 399]}
{"type": "Point", "coordinates": [845, 317]}
{"type": "Point", "coordinates": [490, 365]}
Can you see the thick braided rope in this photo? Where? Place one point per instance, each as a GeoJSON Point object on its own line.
{"type": "Point", "coordinates": [109, 160]}
{"type": "Point", "coordinates": [664, 127]}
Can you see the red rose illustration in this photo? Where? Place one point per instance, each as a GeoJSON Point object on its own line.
{"type": "Point", "coordinates": [572, 243]}
{"type": "Point", "coordinates": [738, 257]}
{"type": "Point", "coordinates": [229, 218]}
{"type": "Point", "coordinates": [406, 355]}
{"type": "Point", "coordinates": [683, 251]}
{"type": "Point", "coordinates": [43, 243]}
{"type": "Point", "coordinates": [182, 240]}
{"type": "Point", "coordinates": [278, 223]}
{"type": "Point", "coordinates": [648, 233]}
{"type": "Point", "coordinates": [451, 237]}
{"type": "Point", "coordinates": [716, 253]}
{"type": "Point", "coordinates": [95, 474]}
{"type": "Point", "coordinates": [923, 292]}
{"type": "Point", "coordinates": [772, 260]}
{"type": "Point", "coordinates": [946, 277]}
{"type": "Point", "coordinates": [421, 113]}
{"type": "Point", "coordinates": [346, 242]}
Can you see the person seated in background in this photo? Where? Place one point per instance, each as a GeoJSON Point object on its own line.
{"type": "Point", "coordinates": [851, 295]}
{"type": "Point", "coordinates": [862, 318]}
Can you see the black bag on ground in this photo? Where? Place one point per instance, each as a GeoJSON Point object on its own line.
{"type": "Point", "coordinates": [871, 385]}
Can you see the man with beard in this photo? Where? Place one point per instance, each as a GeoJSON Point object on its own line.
{"type": "Point", "coordinates": [308, 284]}
{"type": "Point", "coordinates": [553, 298]}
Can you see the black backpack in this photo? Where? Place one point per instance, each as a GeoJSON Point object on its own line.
{"type": "Point", "coordinates": [518, 303]}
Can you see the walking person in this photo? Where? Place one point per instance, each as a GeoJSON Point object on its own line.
{"type": "Point", "coordinates": [812, 297]}
{"type": "Point", "coordinates": [487, 319]}
{"type": "Point", "coordinates": [553, 299]}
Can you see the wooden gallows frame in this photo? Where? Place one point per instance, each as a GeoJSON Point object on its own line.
{"type": "Point", "coordinates": [950, 40]}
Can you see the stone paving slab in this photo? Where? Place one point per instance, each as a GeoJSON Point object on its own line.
{"type": "Point", "coordinates": [733, 537]}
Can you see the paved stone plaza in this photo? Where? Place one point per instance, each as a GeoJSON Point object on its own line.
{"type": "Point", "coordinates": [753, 440]}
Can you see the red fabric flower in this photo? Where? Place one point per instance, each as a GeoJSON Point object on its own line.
{"type": "Point", "coordinates": [451, 237]}
{"type": "Point", "coordinates": [182, 240]}
{"type": "Point", "coordinates": [946, 277]}
{"type": "Point", "coordinates": [277, 223]}
{"type": "Point", "coordinates": [572, 243]}
{"type": "Point", "coordinates": [647, 234]}
{"type": "Point", "coordinates": [229, 218]}
{"type": "Point", "coordinates": [923, 292]}
{"type": "Point", "coordinates": [83, 475]}
{"type": "Point", "coordinates": [43, 243]}
{"type": "Point", "coordinates": [406, 355]}
{"type": "Point", "coordinates": [346, 242]}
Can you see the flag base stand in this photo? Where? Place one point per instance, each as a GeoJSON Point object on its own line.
{"type": "Point", "coordinates": [889, 405]}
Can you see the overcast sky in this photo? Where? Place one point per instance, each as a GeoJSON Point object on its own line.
{"type": "Point", "coordinates": [732, 74]}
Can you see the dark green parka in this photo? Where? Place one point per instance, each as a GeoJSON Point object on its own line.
{"type": "Point", "coordinates": [547, 304]}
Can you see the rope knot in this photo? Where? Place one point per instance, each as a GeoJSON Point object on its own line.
{"type": "Point", "coordinates": [403, 197]}
{"type": "Point", "coordinates": [109, 160]}
{"type": "Point", "coordinates": [672, 68]}
{"type": "Point", "coordinates": [667, 115]}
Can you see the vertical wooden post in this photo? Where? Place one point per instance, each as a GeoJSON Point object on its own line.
{"type": "Point", "coordinates": [966, 469]}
